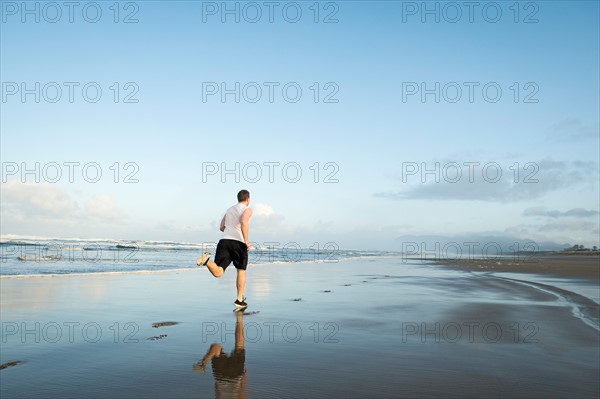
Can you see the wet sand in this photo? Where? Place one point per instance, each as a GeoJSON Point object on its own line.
{"type": "Point", "coordinates": [572, 266]}
{"type": "Point", "coordinates": [369, 328]}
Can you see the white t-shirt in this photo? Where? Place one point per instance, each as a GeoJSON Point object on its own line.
{"type": "Point", "coordinates": [233, 226]}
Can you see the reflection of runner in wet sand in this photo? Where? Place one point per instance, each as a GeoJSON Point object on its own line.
{"type": "Point", "coordinates": [229, 371]}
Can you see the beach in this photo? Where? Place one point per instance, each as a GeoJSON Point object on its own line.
{"type": "Point", "coordinates": [380, 328]}
{"type": "Point", "coordinates": [571, 266]}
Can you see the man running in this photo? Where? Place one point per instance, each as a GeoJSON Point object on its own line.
{"type": "Point", "coordinates": [233, 246]}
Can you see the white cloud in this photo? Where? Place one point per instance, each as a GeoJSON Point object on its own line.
{"type": "Point", "coordinates": [573, 130]}
{"type": "Point", "coordinates": [51, 210]}
{"type": "Point", "coordinates": [262, 210]}
{"type": "Point", "coordinates": [103, 207]}
{"type": "Point", "coordinates": [534, 181]}
{"type": "Point", "coordinates": [575, 212]}
{"type": "Point", "coordinates": [568, 226]}
{"type": "Point", "coordinates": [37, 198]}
{"type": "Point", "coordinates": [264, 218]}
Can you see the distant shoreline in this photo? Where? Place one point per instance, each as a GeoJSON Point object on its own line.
{"type": "Point", "coordinates": [584, 252]}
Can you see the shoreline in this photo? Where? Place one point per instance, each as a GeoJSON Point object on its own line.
{"type": "Point", "coordinates": [112, 273]}
{"type": "Point", "coordinates": [580, 266]}
{"type": "Point", "coordinates": [191, 268]}
{"type": "Point", "coordinates": [585, 267]}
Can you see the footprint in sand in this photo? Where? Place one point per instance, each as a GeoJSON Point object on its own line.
{"type": "Point", "coordinates": [164, 324]}
{"type": "Point", "coordinates": [243, 311]}
{"type": "Point", "coordinates": [156, 337]}
{"type": "Point", "coordinates": [10, 364]}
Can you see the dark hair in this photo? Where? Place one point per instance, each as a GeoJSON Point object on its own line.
{"type": "Point", "coordinates": [243, 195]}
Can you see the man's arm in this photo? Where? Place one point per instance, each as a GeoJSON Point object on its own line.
{"type": "Point", "coordinates": [222, 227]}
{"type": "Point", "coordinates": [245, 221]}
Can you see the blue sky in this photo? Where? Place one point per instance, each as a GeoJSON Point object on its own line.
{"type": "Point", "coordinates": [368, 58]}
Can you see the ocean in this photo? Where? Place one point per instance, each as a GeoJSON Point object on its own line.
{"type": "Point", "coordinates": [20, 256]}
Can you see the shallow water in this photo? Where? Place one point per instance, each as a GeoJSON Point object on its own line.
{"type": "Point", "coordinates": [386, 328]}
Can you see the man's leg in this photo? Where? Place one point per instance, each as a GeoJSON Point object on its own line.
{"type": "Point", "coordinates": [241, 283]}
{"type": "Point", "coordinates": [215, 269]}
{"type": "Point", "coordinates": [239, 331]}
{"type": "Point", "coordinates": [222, 255]}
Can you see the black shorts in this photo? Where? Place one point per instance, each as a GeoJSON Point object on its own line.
{"type": "Point", "coordinates": [229, 366]}
{"type": "Point", "coordinates": [231, 251]}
